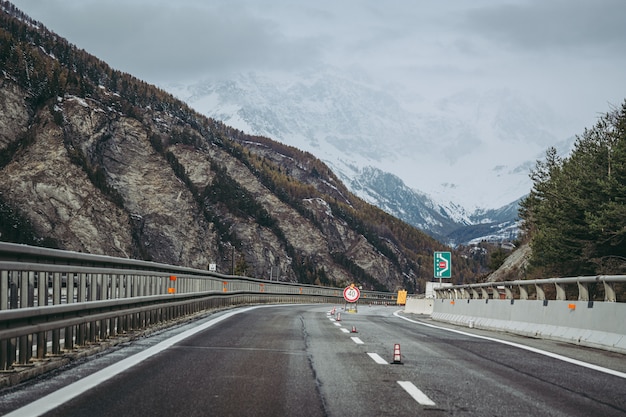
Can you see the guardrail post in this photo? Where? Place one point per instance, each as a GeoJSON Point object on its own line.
{"type": "Point", "coordinates": [485, 294]}
{"type": "Point", "coordinates": [68, 332]}
{"type": "Point", "coordinates": [560, 292]}
{"type": "Point", "coordinates": [56, 299]}
{"type": "Point", "coordinates": [143, 280]}
{"type": "Point", "coordinates": [23, 289]}
{"type": "Point", "coordinates": [42, 300]}
{"type": "Point", "coordinates": [42, 345]}
{"type": "Point", "coordinates": [26, 290]}
{"type": "Point", "coordinates": [165, 282]}
{"type": "Point", "coordinates": [122, 290]}
{"type": "Point", "coordinates": [541, 295]}
{"type": "Point", "coordinates": [495, 293]}
{"type": "Point", "coordinates": [81, 298]}
{"type": "Point", "coordinates": [13, 289]}
{"type": "Point", "coordinates": [523, 292]}
{"type": "Point", "coordinates": [4, 290]}
{"type": "Point", "coordinates": [4, 359]}
{"type": "Point", "coordinates": [583, 291]}
{"type": "Point", "coordinates": [133, 286]}
{"type": "Point", "coordinates": [131, 291]}
{"type": "Point", "coordinates": [156, 287]}
{"type": "Point", "coordinates": [42, 289]}
{"type": "Point", "coordinates": [113, 282]}
{"type": "Point", "coordinates": [89, 334]}
{"type": "Point", "coordinates": [104, 293]}
{"type": "Point", "coordinates": [151, 291]}
{"type": "Point", "coordinates": [4, 305]}
{"type": "Point", "coordinates": [609, 291]}
{"type": "Point", "coordinates": [508, 292]}
{"type": "Point", "coordinates": [25, 349]}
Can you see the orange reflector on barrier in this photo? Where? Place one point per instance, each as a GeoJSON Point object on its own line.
{"type": "Point", "coordinates": [171, 290]}
{"type": "Point", "coordinates": [571, 306]}
{"type": "Point", "coordinates": [172, 277]}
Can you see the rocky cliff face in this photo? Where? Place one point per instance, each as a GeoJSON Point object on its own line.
{"type": "Point", "coordinates": [53, 178]}
{"type": "Point", "coordinates": [97, 161]}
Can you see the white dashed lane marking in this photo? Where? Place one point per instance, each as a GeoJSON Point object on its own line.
{"type": "Point", "coordinates": [415, 392]}
{"type": "Point", "coordinates": [376, 357]}
{"type": "Point", "coordinates": [408, 386]}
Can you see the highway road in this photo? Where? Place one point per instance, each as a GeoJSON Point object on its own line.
{"type": "Point", "coordinates": [301, 361]}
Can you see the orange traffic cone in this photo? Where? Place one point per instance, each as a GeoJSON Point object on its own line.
{"type": "Point", "coordinates": [397, 357]}
{"type": "Point", "coordinates": [338, 317]}
{"type": "Point", "coordinates": [354, 329]}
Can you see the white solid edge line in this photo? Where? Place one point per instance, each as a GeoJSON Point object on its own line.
{"type": "Point", "coordinates": [416, 393]}
{"type": "Point", "coordinates": [357, 340]}
{"type": "Point", "coordinates": [377, 358]}
{"type": "Point", "coordinates": [520, 346]}
{"type": "Point", "coordinates": [63, 395]}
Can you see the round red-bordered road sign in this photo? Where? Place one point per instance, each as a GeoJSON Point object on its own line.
{"type": "Point", "coordinates": [351, 294]}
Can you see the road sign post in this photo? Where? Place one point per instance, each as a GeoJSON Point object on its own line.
{"type": "Point", "coordinates": [442, 265]}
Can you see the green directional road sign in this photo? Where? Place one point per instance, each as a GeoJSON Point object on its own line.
{"type": "Point", "coordinates": [443, 264]}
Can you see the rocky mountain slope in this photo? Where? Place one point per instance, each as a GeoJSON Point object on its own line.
{"type": "Point", "coordinates": [97, 161]}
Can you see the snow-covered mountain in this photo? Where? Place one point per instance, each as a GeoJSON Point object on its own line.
{"type": "Point", "coordinates": [442, 166]}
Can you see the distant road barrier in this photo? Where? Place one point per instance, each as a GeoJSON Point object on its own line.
{"type": "Point", "coordinates": [89, 298]}
{"type": "Point", "coordinates": [583, 310]}
{"type": "Point", "coordinates": [578, 288]}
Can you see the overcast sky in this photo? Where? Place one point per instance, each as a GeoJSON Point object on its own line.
{"type": "Point", "coordinates": [567, 53]}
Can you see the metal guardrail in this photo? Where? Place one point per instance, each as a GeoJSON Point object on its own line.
{"type": "Point", "coordinates": [52, 301]}
{"type": "Point", "coordinates": [559, 288]}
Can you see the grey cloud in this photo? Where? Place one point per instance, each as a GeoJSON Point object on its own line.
{"type": "Point", "coordinates": [159, 42]}
{"type": "Point", "coordinates": [540, 24]}
{"type": "Point", "coordinates": [568, 52]}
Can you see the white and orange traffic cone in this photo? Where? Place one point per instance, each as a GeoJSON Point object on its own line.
{"type": "Point", "coordinates": [338, 317]}
{"type": "Point", "coordinates": [354, 329]}
{"type": "Point", "coordinates": [397, 357]}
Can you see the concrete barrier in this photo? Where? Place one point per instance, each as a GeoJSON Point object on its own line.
{"type": "Point", "coordinates": [419, 305]}
{"type": "Point", "coordinates": [593, 324]}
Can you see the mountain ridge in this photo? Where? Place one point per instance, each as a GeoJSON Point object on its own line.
{"type": "Point", "coordinates": [353, 129]}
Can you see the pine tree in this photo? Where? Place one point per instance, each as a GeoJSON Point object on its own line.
{"type": "Point", "coordinates": [608, 221]}
{"type": "Point", "coordinates": [575, 214]}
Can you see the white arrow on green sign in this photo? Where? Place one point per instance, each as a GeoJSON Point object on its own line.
{"type": "Point", "coordinates": [443, 264]}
